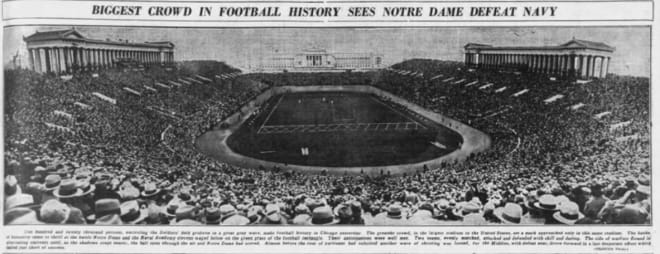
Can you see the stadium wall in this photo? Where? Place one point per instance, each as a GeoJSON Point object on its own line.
{"type": "Point", "coordinates": [214, 143]}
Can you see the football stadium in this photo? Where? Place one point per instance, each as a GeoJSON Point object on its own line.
{"type": "Point", "coordinates": [120, 132]}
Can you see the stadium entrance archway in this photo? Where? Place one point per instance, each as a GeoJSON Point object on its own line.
{"type": "Point", "coordinates": [266, 116]}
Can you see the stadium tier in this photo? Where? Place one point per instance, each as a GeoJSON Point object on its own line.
{"type": "Point", "coordinates": [121, 145]}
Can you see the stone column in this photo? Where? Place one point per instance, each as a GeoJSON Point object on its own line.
{"type": "Point", "coordinates": [52, 60]}
{"type": "Point", "coordinates": [31, 58]}
{"type": "Point", "coordinates": [75, 65]}
{"type": "Point", "coordinates": [597, 64]}
{"type": "Point", "coordinates": [67, 59]}
{"type": "Point", "coordinates": [37, 60]}
{"type": "Point", "coordinates": [105, 55]}
{"type": "Point", "coordinates": [47, 59]}
{"type": "Point", "coordinates": [588, 66]}
{"type": "Point", "coordinates": [97, 58]}
{"type": "Point", "coordinates": [92, 59]}
{"type": "Point", "coordinates": [106, 59]}
{"type": "Point", "coordinates": [60, 52]}
{"type": "Point", "coordinates": [593, 66]}
{"type": "Point", "coordinates": [571, 65]}
{"type": "Point", "coordinates": [58, 60]}
{"type": "Point", "coordinates": [55, 60]}
{"type": "Point", "coordinates": [607, 67]}
{"type": "Point", "coordinates": [85, 55]}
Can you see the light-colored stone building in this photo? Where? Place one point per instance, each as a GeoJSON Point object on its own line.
{"type": "Point", "coordinates": [576, 58]}
{"type": "Point", "coordinates": [68, 51]}
{"type": "Point", "coordinates": [318, 60]}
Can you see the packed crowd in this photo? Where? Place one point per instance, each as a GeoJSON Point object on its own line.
{"type": "Point", "coordinates": [128, 164]}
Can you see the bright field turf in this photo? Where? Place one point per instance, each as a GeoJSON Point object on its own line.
{"type": "Point", "coordinates": [339, 129]}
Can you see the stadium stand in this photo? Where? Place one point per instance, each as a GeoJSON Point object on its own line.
{"type": "Point", "coordinates": [128, 157]}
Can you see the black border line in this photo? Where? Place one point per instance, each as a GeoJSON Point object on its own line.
{"type": "Point", "coordinates": [316, 20]}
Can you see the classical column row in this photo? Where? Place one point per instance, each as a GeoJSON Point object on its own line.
{"type": "Point", "coordinates": [575, 65]}
{"type": "Point", "coordinates": [77, 59]}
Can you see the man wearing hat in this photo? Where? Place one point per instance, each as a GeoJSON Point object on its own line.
{"type": "Point", "coordinates": [105, 207]}
{"type": "Point", "coordinates": [273, 216]}
{"type": "Point", "coordinates": [131, 213]}
{"type": "Point", "coordinates": [51, 183]}
{"type": "Point", "coordinates": [230, 216]}
{"type": "Point", "coordinates": [302, 215]}
{"type": "Point", "coordinates": [212, 216]}
{"type": "Point", "coordinates": [322, 215]}
{"type": "Point", "coordinates": [393, 216]}
{"type": "Point", "coordinates": [69, 194]}
{"type": "Point", "coordinates": [186, 212]}
{"type": "Point", "coordinates": [568, 214]}
{"type": "Point", "coordinates": [87, 196]}
{"type": "Point", "coordinates": [255, 214]}
{"type": "Point", "coordinates": [510, 214]}
{"type": "Point", "coordinates": [596, 202]}
{"type": "Point", "coordinates": [533, 215]}
{"type": "Point", "coordinates": [151, 193]}
{"type": "Point", "coordinates": [547, 206]}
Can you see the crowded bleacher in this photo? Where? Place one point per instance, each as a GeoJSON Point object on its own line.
{"type": "Point", "coordinates": [117, 147]}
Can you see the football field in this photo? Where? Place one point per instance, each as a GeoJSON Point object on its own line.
{"type": "Point", "coordinates": [340, 129]}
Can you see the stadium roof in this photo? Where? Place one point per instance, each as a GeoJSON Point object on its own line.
{"type": "Point", "coordinates": [572, 44]}
{"type": "Point", "coordinates": [73, 35]}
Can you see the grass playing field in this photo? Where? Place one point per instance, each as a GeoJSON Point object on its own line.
{"type": "Point", "coordinates": [340, 129]}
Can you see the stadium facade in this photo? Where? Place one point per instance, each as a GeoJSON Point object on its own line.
{"type": "Point", "coordinates": [575, 58]}
{"type": "Point", "coordinates": [319, 60]}
{"type": "Point", "coordinates": [68, 51]}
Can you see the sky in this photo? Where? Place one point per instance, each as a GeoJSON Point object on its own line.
{"type": "Point", "coordinates": [242, 46]}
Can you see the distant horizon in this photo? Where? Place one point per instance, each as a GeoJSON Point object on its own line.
{"type": "Point", "coordinates": [631, 57]}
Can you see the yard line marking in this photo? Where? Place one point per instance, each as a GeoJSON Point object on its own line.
{"type": "Point", "coordinates": [393, 109]}
{"type": "Point", "coordinates": [270, 113]}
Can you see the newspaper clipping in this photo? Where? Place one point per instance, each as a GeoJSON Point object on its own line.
{"type": "Point", "coordinates": [316, 126]}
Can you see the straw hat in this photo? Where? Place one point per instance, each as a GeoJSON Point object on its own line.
{"type": "Point", "coordinates": [150, 190]}
{"type": "Point", "coordinates": [568, 213]}
{"type": "Point", "coordinates": [643, 184]}
{"type": "Point", "coordinates": [107, 206]}
{"type": "Point", "coordinates": [131, 212]}
{"type": "Point", "coordinates": [52, 182]}
{"type": "Point", "coordinates": [68, 189]}
{"type": "Point", "coordinates": [186, 212]}
{"type": "Point", "coordinates": [546, 202]}
{"type": "Point", "coordinates": [511, 213]}
{"type": "Point", "coordinates": [227, 211]}
{"type": "Point", "coordinates": [273, 213]}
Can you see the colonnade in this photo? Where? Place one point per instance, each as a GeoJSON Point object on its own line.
{"type": "Point", "coordinates": [574, 65]}
{"type": "Point", "coordinates": [77, 59]}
